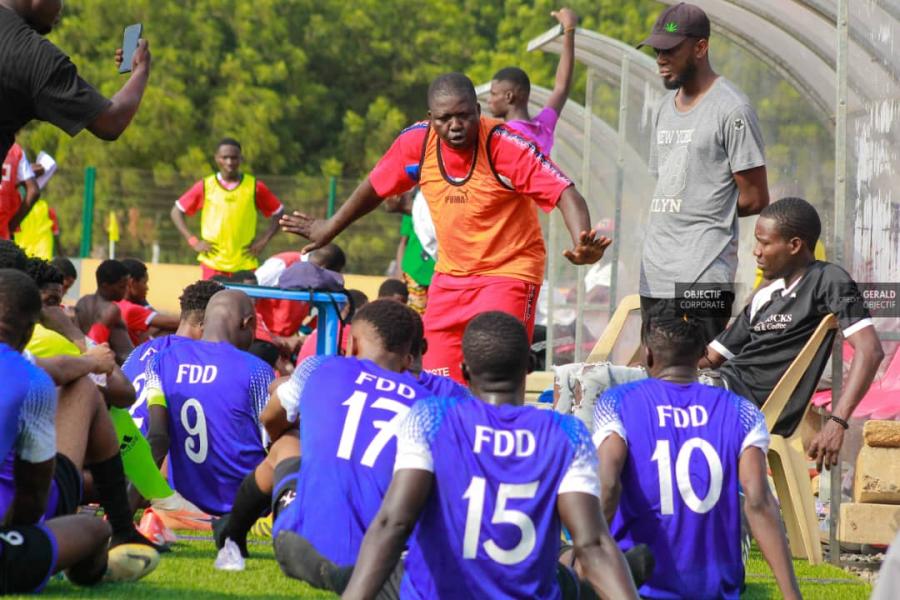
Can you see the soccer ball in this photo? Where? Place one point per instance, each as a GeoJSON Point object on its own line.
{"type": "Point", "coordinates": [130, 562]}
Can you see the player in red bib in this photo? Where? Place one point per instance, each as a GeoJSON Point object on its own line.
{"type": "Point", "coordinates": [481, 181]}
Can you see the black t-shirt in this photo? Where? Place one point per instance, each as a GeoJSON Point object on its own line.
{"type": "Point", "coordinates": [772, 329]}
{"type": "Point", "coordinates": [38, 81]}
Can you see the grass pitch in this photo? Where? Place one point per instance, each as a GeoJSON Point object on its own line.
{"type": "Point", "coordinates": [187, 572]}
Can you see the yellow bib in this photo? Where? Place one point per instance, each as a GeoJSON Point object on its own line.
{"type": "Point", "coordinates": [45, 343]}
{"type": "Point", "coordinates": [228, 220]}
{"type": "Point", "coordinates": [35, 235]}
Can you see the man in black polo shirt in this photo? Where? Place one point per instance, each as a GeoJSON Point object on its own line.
{"type": "Point", "coordinates": [755, 351]}
{"type": "Point", "coordinates": [38, 81]}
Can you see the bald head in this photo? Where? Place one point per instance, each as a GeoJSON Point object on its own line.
{"type": "Point", "coordinates": [230, 317]}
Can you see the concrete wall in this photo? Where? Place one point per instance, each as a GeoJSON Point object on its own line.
{"type": "Point", "coordinates": [167, 281]}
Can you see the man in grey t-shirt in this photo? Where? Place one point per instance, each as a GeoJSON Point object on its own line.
{"type": "Point", "coordinates": [707, 152]}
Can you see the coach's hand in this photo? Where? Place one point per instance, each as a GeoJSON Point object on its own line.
{"type": "Point", "coordinates": [315, 230]}
{"type": "Point", "coordinates": [826, 446]}
{"type": "Point", "coordinates": [589, 249]}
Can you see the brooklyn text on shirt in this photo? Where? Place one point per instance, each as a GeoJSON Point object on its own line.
{"type": "Point", "coordinates": [386, 385]}
{"type": "Point", "coordinates": [196, 373]}
{"type": "Point", "coordinates": [682, 418]}
{"type": "Point", "coordinates": [665, 205]}
{"type": "Point", "coordinates": [501, 442]}
{"type": "Point", "coordinates": [674, 136]}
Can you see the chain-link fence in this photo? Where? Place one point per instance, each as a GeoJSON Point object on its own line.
{"type": "Point", "coordinates": [141, 201]}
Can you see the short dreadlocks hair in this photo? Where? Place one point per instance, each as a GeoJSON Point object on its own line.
{"type": "Point", "coordinates": [43, 273]}
{"type": "Point", "coordinates": [674, 337]}
{"type": "Point", "coordinates": [195, 297]}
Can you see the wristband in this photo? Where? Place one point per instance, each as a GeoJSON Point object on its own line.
{"type": "Point", "coordinates": [192, 241]}
{"type": "Point", "coordinates": [839, 421]}
{"type": "Point", "coordinates": [568, 29]}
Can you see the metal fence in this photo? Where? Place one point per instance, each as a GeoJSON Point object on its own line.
{"type": "Point", "coordinates": [140, 202]}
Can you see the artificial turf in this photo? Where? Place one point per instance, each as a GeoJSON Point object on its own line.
{"type": "Point", "coordinates": [187, 572]}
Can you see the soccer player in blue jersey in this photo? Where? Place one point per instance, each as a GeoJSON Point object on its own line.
{"type": "Point", "coordinates": [673, 453]}
{"type": "Point", "coordinates": [193, 301]}
{"type": "Point", "coordinates": [282, 463]}
{"type": "Point", "coordinates": [487, 484]}
{"type": "Point", "coordinates": [205, 397]}
{"type": "Point", "coordinates": [31, 551]}
{"type": "Point", "coordinates": [350, 410]}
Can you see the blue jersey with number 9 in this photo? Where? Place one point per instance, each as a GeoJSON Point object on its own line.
{"type": "Point", "coordinates": [214, 394]}
{"type": "Point", "coordinates": [350, 411]}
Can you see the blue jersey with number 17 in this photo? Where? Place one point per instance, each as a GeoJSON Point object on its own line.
{"type": "Point", "coordinates": [490, 528]}
{"type": "Point", "coordinates": [680, 481]}
{"type": "Point", "coordinates": [350, 411]}
{"type": "Point", "coordinates": [214, 394]}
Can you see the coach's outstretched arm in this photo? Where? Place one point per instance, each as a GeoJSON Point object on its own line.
{"type": "Point", "coordinates": [588, 248]}
{"type": "Point", "coordinates": [764, 520]}
{"type": "Point", "coordinates": [320, 232]}
{"type": "Point", "coordinates": [596, 551]}
{"type": "Point", "coordinates": [389, 531]}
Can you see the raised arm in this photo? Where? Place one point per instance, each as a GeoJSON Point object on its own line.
{"type": "Point", "coordinates": [320, 232]}
{"type": "Point", "coordinates": [601, 561]}
{"type": "Point", "coordinates": [389, 531]}
{"type": "Point", "coordinates": [568, 20]}
{"type": "Point", "coordinates": [867, 356]}
{"type": "Point", "coordinates": [113, 121]}
{"type": "Point", "coordinates": [764, 520]}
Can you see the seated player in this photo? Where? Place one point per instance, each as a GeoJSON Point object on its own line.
{"type": "Point", "coordinates": [99, 317]}
{"type": "Point", "coordinates": [311, 342]}
{"type": "Point", "coordinates": [255, 496]}
{"type": "Point", "coordinates": [756, 350]}
{"type": "Point", "coordinates": [67, 268]}
{"type": "Point", "coordinates": [42, 480]}
{"type": "Point", "coordinates": [486, 484]}
{"type": "Point", "coordinates": [193, 300]}
{"type": "Point", "coordinates": [394, 289]}
{"type": "Point", "coordinates": [349, 411]}
{"type": "Point", "coordinates": [673, 453]}
{"type": "Point", "coordinates": [140, 318]}
{"type": "Point", "coordinates": [205, 397]}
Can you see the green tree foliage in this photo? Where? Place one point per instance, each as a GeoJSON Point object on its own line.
{"type": "Point", "coordinates": [317, 89]}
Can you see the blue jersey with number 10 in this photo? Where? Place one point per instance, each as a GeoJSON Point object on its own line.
{"type": "Point", "coordinates": [350, 412]}
{"type": "Point", "coordinates": [490, 528]}
{"type": "Point", "coordinates": [680, 481]}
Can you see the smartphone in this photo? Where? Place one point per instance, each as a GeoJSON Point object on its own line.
{"type": "Point", "coordinates": [129, 45]}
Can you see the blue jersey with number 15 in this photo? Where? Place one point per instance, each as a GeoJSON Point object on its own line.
{"type": "Point", "coordinates": [490, 528]}
{"type": "Point", "coordinates": [350, 412]}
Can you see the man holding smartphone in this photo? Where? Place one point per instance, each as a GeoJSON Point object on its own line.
{"type": "Point", "coordinates": [38, 81]}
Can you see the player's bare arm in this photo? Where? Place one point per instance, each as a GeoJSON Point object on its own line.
{"type": "Point", "coordinates": [612, 454]}
{"type": "Point", "coordinates": [32, 489]}
{"type": "Point", "coordinates": [867, 356]}
{"type": "Point", "coordinates": [158, 434]}
{"type": "Point", "coordinates": [587, 248]}
{"type": "Point", "coordinates": [110, 124]}
{"type": "Point", "coordinates": [389, 531]}
{"type": "Point", "coordinates": [274, 417]}
{"type": "Point", "coordinates": [753, 187]}
{"type": "Point", "coordinates": [118, 391]}
{"type": "Point", "coordinates": [568, 20]}
{"type": "Point", "coordinates": [602, 563]}
{"type": "Point", "coordinates": [196, 244]}
{"type": "Point", "coordinates": [712, 360]}
{"type": "Point", "coordinates": [320, 232]}
{"type": "Point", "coordinates": [55, 318]}
{"type": "Point", "coordinates": [763, 517]}
{"type": "Point", "coordinates": [260, 243]}
{"type": "Point", "coordinates": [32, 193]}
{"type": "Point", "coordinates": [66, 369]}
